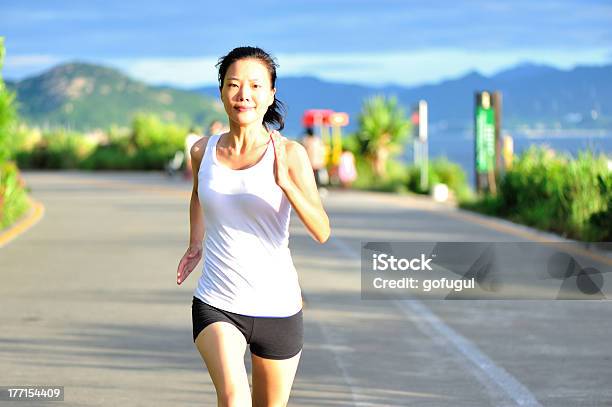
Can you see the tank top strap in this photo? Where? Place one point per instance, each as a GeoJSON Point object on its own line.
{"type": "Point", "coordinates": [269, 154]}
{"type": "Point", "coordinates": [211, 146]}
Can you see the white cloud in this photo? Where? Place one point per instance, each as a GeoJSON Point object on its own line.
{"type": "Point", "coordinates": [30, 61]}
{"type": "Point", "coordinates": [403, 68]}
{"type": "Point", "coordinates": [185, 72]}
{"type": "Point", "coordinates": [20, 66]}
{"type": "Point", "coordinates": [19, 61]}
{"type": "Point", "coordinates": [375, 69]}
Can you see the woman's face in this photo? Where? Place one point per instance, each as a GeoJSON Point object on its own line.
{"type": "Point", "coordinates": [247, 91]}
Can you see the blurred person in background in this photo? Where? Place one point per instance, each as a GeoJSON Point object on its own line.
{"type": "Point", "coordinates": [316, 154]}
{"type": "Point", "coordinates": [216, 127]}
{"type": "Point", "coordinates": [347, 172]}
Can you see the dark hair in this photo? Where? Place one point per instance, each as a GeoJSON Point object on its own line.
{"type": "Point", "coordinates": [276, 111]}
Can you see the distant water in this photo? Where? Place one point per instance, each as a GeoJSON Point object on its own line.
{"type": "Point", "coordinates": [459, 146]}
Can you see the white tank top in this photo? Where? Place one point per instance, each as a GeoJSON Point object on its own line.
{"type": "Point", "coordinates": [247, 267]}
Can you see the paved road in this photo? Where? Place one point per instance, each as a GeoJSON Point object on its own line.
{"type": "Point", "coordinates": [89, 301]}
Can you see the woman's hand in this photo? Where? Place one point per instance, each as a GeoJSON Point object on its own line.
{"type": "Point", "coordinates": [190, 259]}
{"type": "Point", "coordinates": [281, 168]}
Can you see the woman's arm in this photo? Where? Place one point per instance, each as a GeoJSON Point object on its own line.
{"type": "Point", "coordinates": [192, 256]}
{"type": "Point", "coordinates": [196, 217]}
{"type": "Point", "coordinates": [295, 177]}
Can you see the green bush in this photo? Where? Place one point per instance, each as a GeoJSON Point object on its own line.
{"type": "Point", "coordinates": [414, 179]}
{"type": "Point", "coordinates": [148, 145]}
{"type": "Point", "coordinates": [13, 196]}
{"type": "Point", "coordinates": [487, 204]}
{"type": "Point", "coordinates": [440, 170]}
{"type": "Point", "coordinates": [108, 157]}
{"type": "Point", "coordinates": [58, 149]}
{"type": "Point", "coordinates": [7, 121]}
{"type": "Point", "coordinates": [367, 179]}
{"type": "Point", "coordinates": [600, 222]}
{"type": "Point", "coordinates": [116, 153]}
{"type": "Point", "coordinates": [403, 178]}
{"type": "Point", "coordinates": [453, 175]}
{"type": "Point", "coordinates": [8, 115]}
{"type": "Point", "coordinates": [155, 142]}
{"type": "Point", "coordinates": [555, 192]}
{"type": "Point", "coordinates": [365, 175]}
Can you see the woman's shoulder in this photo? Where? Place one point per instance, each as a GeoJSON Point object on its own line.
{"type": "Point", "coordinates": [287, 143]}
{"type": "Point", "coordinates": [199, 147]}
{"type": "Point", "coordinates": [296, 152]}
{"type": "Point", "coordinates": [293, 146]}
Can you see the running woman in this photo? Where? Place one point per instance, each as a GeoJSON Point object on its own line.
{"type": "Point", "coordinates": [245, 183]}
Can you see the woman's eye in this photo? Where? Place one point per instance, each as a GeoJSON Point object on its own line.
{"type": "Point", "coordinates": [256, 85]}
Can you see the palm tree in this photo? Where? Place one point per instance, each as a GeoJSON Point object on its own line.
{"type": "Point", "coordinates": [383, 129]}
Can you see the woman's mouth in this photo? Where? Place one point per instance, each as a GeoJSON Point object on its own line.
{"type": "Point", "coordinates": [243, 108]}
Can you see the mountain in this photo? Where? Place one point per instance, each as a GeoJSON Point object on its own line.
{"type": "Point", "coordinates": [524, 71]}
{"type": "Point", "coordinates": [532, 95]}
{"type": "Point", "coordinates": [85, 96]}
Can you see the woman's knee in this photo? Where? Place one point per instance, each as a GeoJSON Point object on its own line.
{"type": "Point", "coordinates": [234, 398]}
{"type": "Point", "coordinates": [270, 404]}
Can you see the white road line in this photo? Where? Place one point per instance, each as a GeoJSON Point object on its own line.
{"type": "Point", "coordinates": [340, 364]}
{"type": "Point", "coordinates": [346, 376]}
{"type": "Point", "coordinates": [476, 362]}
{"type": "Point", "coordinates": [480, 363]}
{"type": "Point", "coordinates": [355, 393]}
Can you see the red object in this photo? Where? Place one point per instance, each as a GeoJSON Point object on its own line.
{"type": "Point", "coordinates": [315, 117]}
{"type": "Point", "coordinates": [415, 117]}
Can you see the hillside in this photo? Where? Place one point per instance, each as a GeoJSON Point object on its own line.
{"type": "Point", "coordinates": [84, 96]}
{"type": "Point", "coordinates": [87, 96]}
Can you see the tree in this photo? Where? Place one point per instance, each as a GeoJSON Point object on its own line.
{"type": "Point", "coordinates": [383, 130]}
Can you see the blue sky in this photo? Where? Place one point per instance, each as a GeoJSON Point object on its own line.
{"type": "Point", "coordinates": [371, 42]}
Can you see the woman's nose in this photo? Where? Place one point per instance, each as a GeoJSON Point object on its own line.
{"type": "Point", "coordinates": [244, 93]}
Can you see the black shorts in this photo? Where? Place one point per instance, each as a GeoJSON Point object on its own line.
{"type": "Point", "coordinates": [269, 337]}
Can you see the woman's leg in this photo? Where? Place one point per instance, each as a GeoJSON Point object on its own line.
{"type": "Point", "coordinates": [272, 380]}
{"type": "Point", "coordinates": [222, 347]}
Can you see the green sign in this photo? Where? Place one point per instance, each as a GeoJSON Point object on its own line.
{"type": "Point", "coordinates": [485, 139]}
